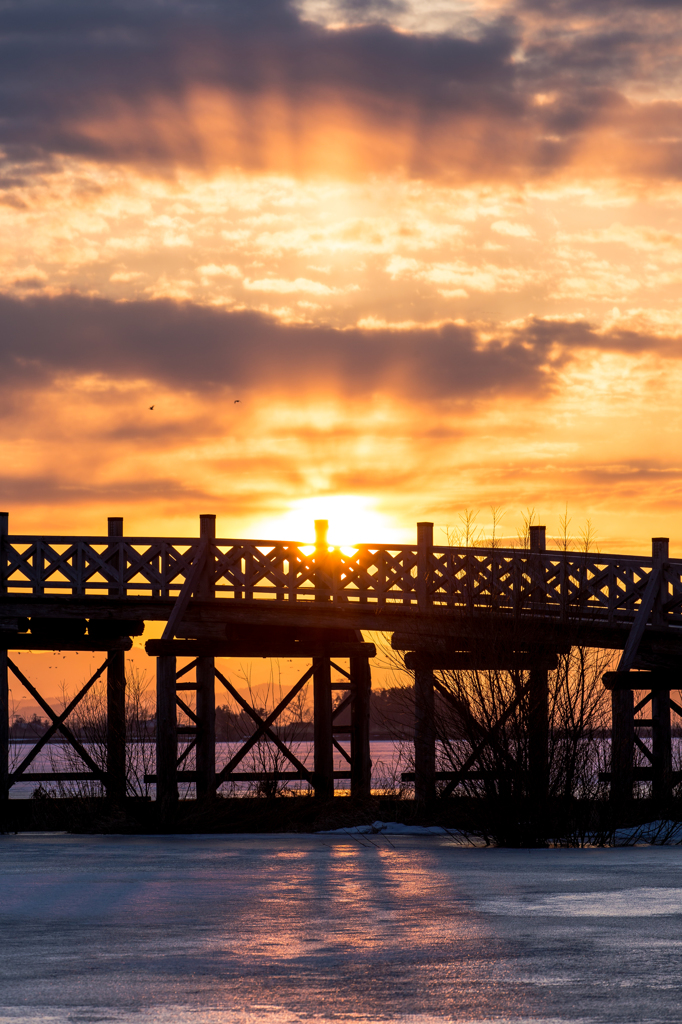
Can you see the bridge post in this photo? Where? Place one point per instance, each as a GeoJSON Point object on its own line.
{"type": "Point", "coordinates": [361, 763]}
{"type": "Point", "coordinates": [116, 694]}
{"type": "Point", "coordinates": [661, 747]}
{"type": "Point", "coordinates": [4, 727]}
{"type": "Point", "coordinates": [424, 736]}
{"type": "Point", "coordinates": [424, 546]}
{"type": "Point", "coordinates": [622, 745]}
{"type": "Point", "coordinates": [166, 734]}
{"type": "Point", "coordinates": [424, 696]}
{"type": "Point", "coordinates": [205, 678]}
{"type": "Point", "coordinates": [661, 740]}
{"type": "Point", "coordinates": [322, 729]}
{"type": "Point", "coordinates": [538, 711]}
{"type": "Point", "coordinates": [4, 671]}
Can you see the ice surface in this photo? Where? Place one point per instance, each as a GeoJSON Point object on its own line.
{"type": "Point", "coordinates": [287, 928]}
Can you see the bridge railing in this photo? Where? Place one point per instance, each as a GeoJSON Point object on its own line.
{"type": "Point", "coordinates": [557, 584]}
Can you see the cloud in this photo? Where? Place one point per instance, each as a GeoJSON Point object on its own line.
{"type": "Point", "coordinates": [188, 346]}
{"type": "Point", "coordinates": [257, 86]}
{"type": "Point", "coordinates": [202, 350]}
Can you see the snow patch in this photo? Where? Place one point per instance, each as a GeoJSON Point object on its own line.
{"type": "Point", "coordinates": [387, 828]}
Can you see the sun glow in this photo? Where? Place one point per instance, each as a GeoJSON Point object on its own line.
{"type": "Point", "coordinates": [352, 518]}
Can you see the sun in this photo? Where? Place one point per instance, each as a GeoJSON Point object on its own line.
{"type": "Point", "coordinates": [353, 519]}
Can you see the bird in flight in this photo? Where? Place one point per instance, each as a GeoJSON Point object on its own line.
{"type": "Point", "coordinates": [151, 407]}
{"type": "Point", "coordinates": [236, 401]}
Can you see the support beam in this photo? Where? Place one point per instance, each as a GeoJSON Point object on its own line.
{"type": "Point", "coordinates": [166, 734]}
{"type": "Point", "coordinates": [473, 661]}
{"type": "Point", "coordinates": [4, 726]}
{"type": "Point", "coordinates": [205, 714]}
{"type": "Point", "coordinates": [361, 762]}
{"type": "Point", "coordinates": [538, 706]}
{"type": "Point", "coordinates": [257, 649]}
{"type": "Point", "coordinates": [622, 745]}
{"type": "Point", "coordinates": [538, 735]}
{"type": "Point", "coordinates": [322, 729]}
{"type": "Point", "coordinates": [116, 726]}
{"type": "Point", "coordinates": [424, 736]}
{"type": "Point", "coordinates": [205, 676]}
{"type": "Point", "coordinates": [27, 642]}
{"type": "Point", "coordinates": [661, 747]}
{"type": "Point", "coordinates": [656, 680]}
{"type": "Point", "coordinates": [116, 698]}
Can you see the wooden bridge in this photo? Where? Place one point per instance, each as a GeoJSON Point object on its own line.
{"type": "Point", "coordinates": [222, 598]}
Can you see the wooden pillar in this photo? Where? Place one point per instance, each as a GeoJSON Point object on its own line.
{"type": "Point", "coordinates": [361, 762]}
{"type": "Point", "coordinates": [205, 675]}
{"type": "Point", "coordinates": [661, 747]}
{"type": "Point", "coordinates": [4, 727]}
{"type": "Point", "coordinates": [322, 729]}
{"type": "Point", "coordinates": [321, 560]}
{"type": "Point", "coordinates": [538, 735]}
{"type": "Point", "coordinates": [4, 671]}
{"type": "Point", "coordinates": [116, 696]}
{"type": "Point", "coordinates": [538, 706]}
{"type": "Point", "coordinates": [205, 761]}
{"type": "Point", "coordinates": [166, 733]}
{"type": "Point", "coordinates": [424, 548]}
{"type": "Point", "coordinates": [622, 745]}
{"type": "Point", "coordinates": [424, 736]}
{"type": "Point", "coordinates": [116, 726]}
{"type": "Point", "coordinates": [661, 742]}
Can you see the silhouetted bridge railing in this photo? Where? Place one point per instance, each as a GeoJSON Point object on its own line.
{"type": "Point", "coordinates": [556, 585]}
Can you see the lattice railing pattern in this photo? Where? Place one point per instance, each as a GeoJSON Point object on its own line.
{"type": "Point", "coordinates": [557, 584]}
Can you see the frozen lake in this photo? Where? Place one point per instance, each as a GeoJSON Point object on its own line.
{"type": "Point", "coordinates": [303, 928]}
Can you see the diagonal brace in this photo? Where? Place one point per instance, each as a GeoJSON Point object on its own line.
{"type": "Point", "coordinates": [263, 727]}
{"type": "Point", "coordinates": [58, 720]}
{"type": "Point", "coordinates": [187, 709]}
{"type": "Point", "coordinates": [641, 618]}
{"type": "Point", "coordinates": [490, 737]}
{"type": "Point", "coordinates": [192, 580]}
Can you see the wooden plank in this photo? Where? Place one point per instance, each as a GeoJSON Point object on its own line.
{"type": "Point", "coordinates": [190, 776]}
{"type": "Point", "coordinates": [54, 777]}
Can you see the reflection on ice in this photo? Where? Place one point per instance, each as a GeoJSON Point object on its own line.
{"type": "Point", "coordinates": [289, 928]}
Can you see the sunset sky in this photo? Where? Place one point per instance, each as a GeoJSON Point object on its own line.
{"type": "Point", "coordinates": [432, 247]}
